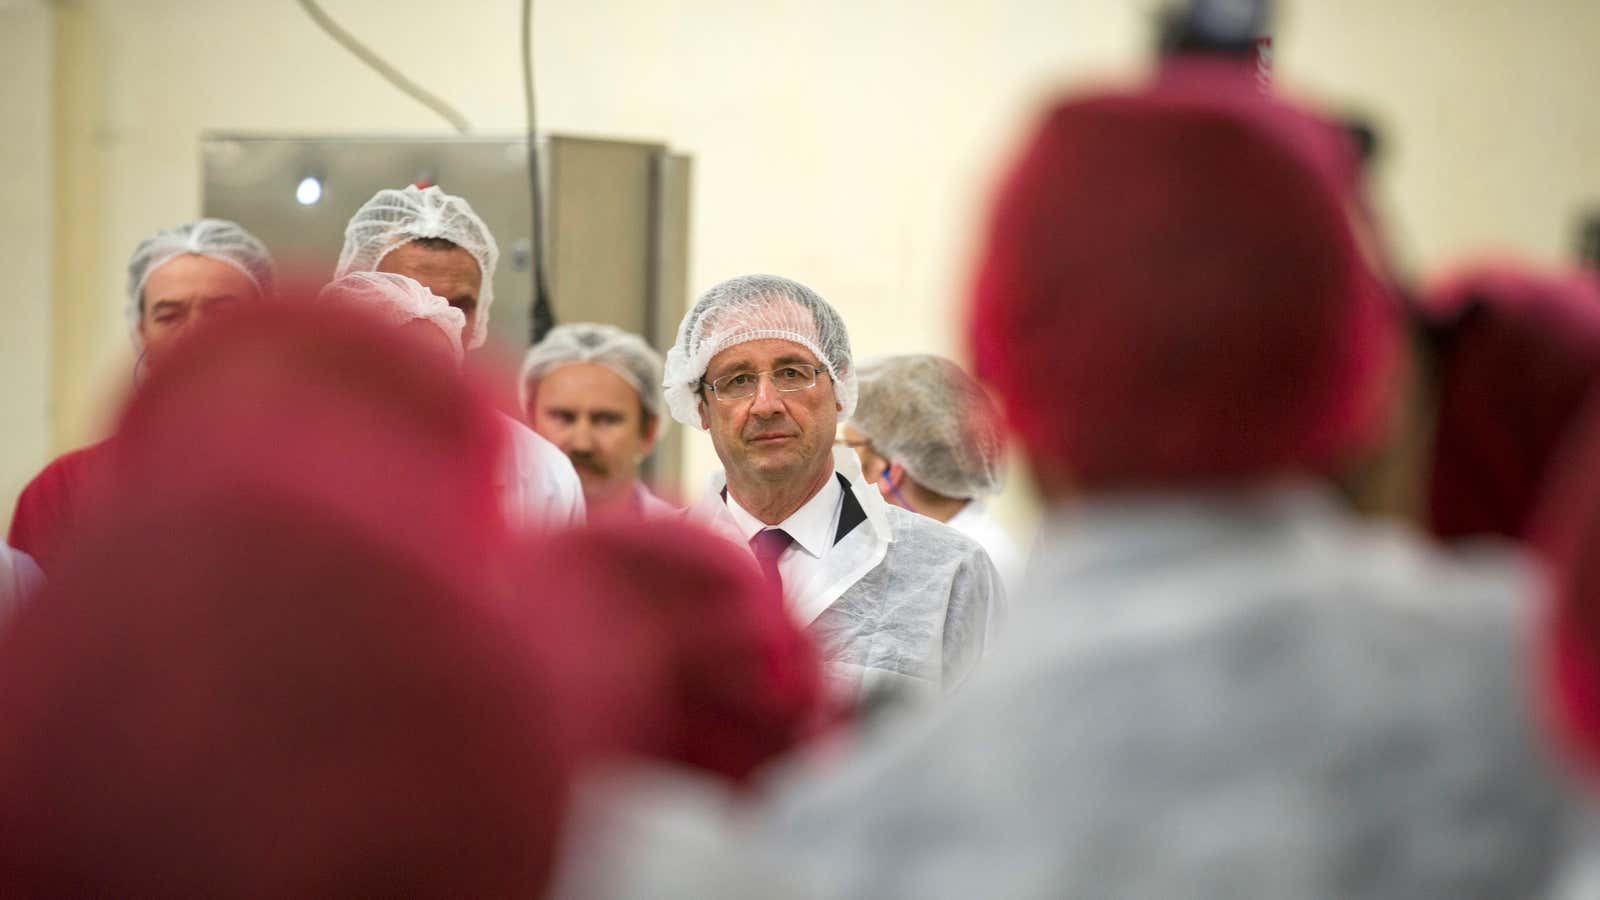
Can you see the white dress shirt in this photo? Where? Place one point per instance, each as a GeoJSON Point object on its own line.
{"type": "Point", "coordinates": [812, 527]}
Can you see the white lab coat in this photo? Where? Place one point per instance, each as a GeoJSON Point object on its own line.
{"type": "Point", "coordinates": [975, 522]}
{"type": "Point", "coordinates": [900, 606]}
{"type": "Point", "coordinates": [536, 481]}
{"type": "Point", "coordinates": [1234, 696]}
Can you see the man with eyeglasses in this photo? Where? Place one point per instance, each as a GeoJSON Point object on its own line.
{"type": "Point", "coordinates": [898, 603]}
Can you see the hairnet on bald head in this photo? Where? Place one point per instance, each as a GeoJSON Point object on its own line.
{"type": "Point", "coordinates": [622, 352]}
{"type": "Point", "coordinates": [756, 308]}
{"type": "Point", "coordinates": [394, 218]}
{"type": "Point", "coordinates": [1155, 346]}
{"type": "Point", "coordinates": [923, 412]}
{"type": "Point", "coordinates": [216, 239]}
{"type": "Point", "coordinates": [398, 300]}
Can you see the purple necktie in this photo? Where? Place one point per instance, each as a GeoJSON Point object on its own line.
{"type": "Point", "coordinates": [768, 546]}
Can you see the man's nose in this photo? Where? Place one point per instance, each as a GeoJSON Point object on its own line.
{"type": "Point", "coordinates": [580, 437]}
{"type": "Point", "coordinates": [767, 402]}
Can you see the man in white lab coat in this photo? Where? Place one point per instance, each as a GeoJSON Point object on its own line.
{"type": "Point", "coordinates": [899, 604]}
{"type": "Point", "coordinates": [929, 437]}
{"type": "Point", "coordinates": [438, 240]}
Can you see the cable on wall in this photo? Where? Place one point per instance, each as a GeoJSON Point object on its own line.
{"type": "Point", "coordinates": [543, 316]}
{"type": "Point", "coordinates": [390, 74]}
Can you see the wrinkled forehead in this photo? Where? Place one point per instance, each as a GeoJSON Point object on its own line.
{"type": "Point", "coordinates": [424, 258]}
{"type": "Point", "coordinates": [197, 276]}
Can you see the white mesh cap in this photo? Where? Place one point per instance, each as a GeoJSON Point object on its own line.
{"type": "Point", "coordinates": [399, 300]}
{"type": "Point", "coordinates": [754, 308]}
{"type": "Point", "coordinates": [622, 352]}
{"type": "Point", "coordinates": [926, 414]}
{"type": "Point", "coordinates": [216, 239]}
{"type": "Point", "coordinates": [394, 218]}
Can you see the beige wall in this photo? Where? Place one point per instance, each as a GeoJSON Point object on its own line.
{"type": "Point", "coordinates": [26, 47]}
{"type": "Point", "coordinates": [1488, 106]}
{"type": "Point", "coordinates": [846, 144]}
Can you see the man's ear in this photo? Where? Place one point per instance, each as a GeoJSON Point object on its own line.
{"type": "Point", "coordinates": [705, 419]}
{"type": "Point", "coordinates": [652, 430]}
{"type": "Point", "coordinates": [896, 476]}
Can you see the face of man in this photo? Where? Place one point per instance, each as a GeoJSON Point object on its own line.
{"type": "Point", "coordinates": [443, 268]}
{"type": "Point", "coordinates": [772, 436]}
{"type": "Point", "coordinates": [595, 417]}
{"type": "Point", "coordinates": [183, 291]}
{"type": "Point", "coordinates": [872, 465]}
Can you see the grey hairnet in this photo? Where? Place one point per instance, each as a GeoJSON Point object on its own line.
{"type": "Point", "coordinates": [399, 300]}
{"type": "Point", "coordinates": [394, 218]}
{"type": "Point", "coordinates": [926, 414]}
{"type": "Point", "coordinates": [622, 352]}
{"type": "Point", "coordinates": [216, 239]}
{"type": "Point", "coordinates": [754, 308]}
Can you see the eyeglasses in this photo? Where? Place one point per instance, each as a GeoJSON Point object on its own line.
{"type": "Point", "coordinates": [741, 385]}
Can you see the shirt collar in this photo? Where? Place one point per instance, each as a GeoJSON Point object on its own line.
{"type": "Point", "coordinates": [811, 526]}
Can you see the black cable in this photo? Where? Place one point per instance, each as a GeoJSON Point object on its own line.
{"type": "Point", "coordinates": [543, 316]}
{"type": "Point", "coordinates": [1589, 242]}
{"type": "Point", "coordinates": [389, 73]}
{"type": "Point", "coordinates": [1212, 27]}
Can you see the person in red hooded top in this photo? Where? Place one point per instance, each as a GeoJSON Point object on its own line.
{"type": "Point", "coordinates": [177, 277]}
{"type": "Point", "coordinates": [274, 660]}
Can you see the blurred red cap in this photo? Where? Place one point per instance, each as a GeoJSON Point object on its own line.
{"type": "Point", "coordinates": [271, 662]}
{"type": "Point", "coordinates": [1516, 352]}
{"type": "Point", "coordinates": [688, 645]}
{"type": "Point", "coordinates": [1173, 290]}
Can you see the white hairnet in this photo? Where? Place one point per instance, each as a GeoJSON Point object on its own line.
{"type": "Point", "coordinates": [393, 218]}
{"type": "Point", "coordinates": [399, 300]}
{"type": "Point", "coordinates": [622, 352]}
{"type": "Point", "coordinates": [926, 414]}
{"type": "Point", "coordinates": [755, 308]}
{"type": "Point", "coordinates": [216, 239]}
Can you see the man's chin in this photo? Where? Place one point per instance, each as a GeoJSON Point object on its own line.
{"type": "Point", "coordinates": [773, 466]}
{"type": "Point", "coordinates": [591, 480]}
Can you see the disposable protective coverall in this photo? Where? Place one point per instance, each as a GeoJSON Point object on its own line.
{"type": "Point", "coordinates": [901, 603]}
{"type": "Point", "coordinates": [975, 522]}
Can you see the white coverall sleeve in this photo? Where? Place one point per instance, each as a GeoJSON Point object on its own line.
{"type": "Point", "coordinates": [977, 606]}
{"type": "Point", "coordinates": [567, 506]}
{"type": "Point", "coordinates": [538, 486]}
{"type": "Point", "coordinates": [20, 577]}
